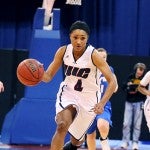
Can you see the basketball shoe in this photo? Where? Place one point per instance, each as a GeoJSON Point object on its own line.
{"type": "Point", "coordinates": [124, 145]}
{"type": "Point", "coordinates": [135, 146]}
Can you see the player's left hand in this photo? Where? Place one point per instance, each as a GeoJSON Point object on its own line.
{"type": "Point", "coordinates": [98, 108]}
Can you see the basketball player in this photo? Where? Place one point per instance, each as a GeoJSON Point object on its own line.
{"type": "Point", "coordinates": [1, 87]}
{"type": "Point", "coordinates": [78, 99]}
{"type": "Point", "coordinates": [102, 121]}
{"type": "Point", "coordinates": [143, 89]}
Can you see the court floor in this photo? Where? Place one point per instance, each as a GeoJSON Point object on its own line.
{"type": "Point", "coordinates": [115, 145]}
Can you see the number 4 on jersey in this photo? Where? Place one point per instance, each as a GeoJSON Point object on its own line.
{"type": "Point", "coordinates": [78, 86]}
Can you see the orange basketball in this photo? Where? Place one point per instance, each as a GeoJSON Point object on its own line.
{"type": "Point", "coordinates": [30, 72]}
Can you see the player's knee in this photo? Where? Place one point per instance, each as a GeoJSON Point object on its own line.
{"type": "Point", "coordinates": [62, 126]}
{"type": "Point", "coordinates": [103, 127]}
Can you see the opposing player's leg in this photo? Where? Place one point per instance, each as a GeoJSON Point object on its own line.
{"type": "Point", "coordinates": [103, 127]}
{"type": "Point", "coordinates": [63, 120]}
{"type": "Point", "coordinates": [103, 124]}
{"type": "Point", "coordinates": [91, 141]}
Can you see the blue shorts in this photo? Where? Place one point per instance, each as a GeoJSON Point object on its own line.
{"type": "Point", "coordinates": [106, 115]}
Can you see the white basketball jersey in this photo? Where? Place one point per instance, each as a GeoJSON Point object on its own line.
{"type": "Point", "coordinates": [81, 75]}
{"type": "Point", "coordinates": [146, 81]}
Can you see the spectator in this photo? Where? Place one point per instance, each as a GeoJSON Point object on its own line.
{"type": "Point", "coordinates": [133, 107]}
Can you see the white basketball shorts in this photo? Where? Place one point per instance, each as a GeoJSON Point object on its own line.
{"type": "Point", "coordinates": [83, 103]}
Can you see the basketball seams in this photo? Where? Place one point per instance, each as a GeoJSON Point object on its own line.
{"type": "Point", "coordinates": [26, 80]}
{"type": "Point", "coordinates": [38, 67]}
{"type": "Point", "coordinates": [26, 77]}
{"type": "Point", "coordinates": [30, 70]}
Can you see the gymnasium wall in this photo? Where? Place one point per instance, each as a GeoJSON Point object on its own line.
{"type": "Point", "coordinates": [122, 27]}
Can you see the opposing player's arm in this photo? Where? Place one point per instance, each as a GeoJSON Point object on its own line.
{"type": "Point", "coordinates": [143, 84]}
{"type": "Point", "coordinates": [105, 69]}
{"type": "Point", "coordinates": [54, 65]}
{"type": "Point", "coordinates": [1, 87]}
{"type": "Point", "coordinates": [143, 90]}
{"type": "Point", "coordinates": [116, 89]}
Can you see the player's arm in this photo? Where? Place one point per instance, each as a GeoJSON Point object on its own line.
{"type": "Point", "coordinates": [142, 89]}
{"type": "Point", "coordinates": [54, 65]}
{"type": "Point", "coordinates": [105, 69]}
{"type": "Point", "coordinates": [116, 89]}
{"type": "Point", "coordinates": [112, 70]}
{"type": "Point", "coordinates": [1, 87]}
{"type": "Point", "coordinates": [143, 84]}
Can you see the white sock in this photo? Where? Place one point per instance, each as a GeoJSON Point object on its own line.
{"type": "Point", "coordinates": [105, 144]}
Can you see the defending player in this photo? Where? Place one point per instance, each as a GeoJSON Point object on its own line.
{"type": "Point", "coordinates": [102, 121]}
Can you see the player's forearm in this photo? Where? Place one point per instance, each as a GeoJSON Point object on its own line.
{"type": "Point", "coordinates": [109, 91]}
{"type": "Point", "coordinates": [46, 77]}
{"type": "Point", "coordinates": [143, 90]}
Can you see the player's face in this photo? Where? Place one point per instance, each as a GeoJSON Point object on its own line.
{"type": "Point", "coordinates": [79, 39]}
{"type": "Point", "coordinates": [104, 55]}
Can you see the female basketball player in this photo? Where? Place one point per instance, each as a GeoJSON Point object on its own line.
{"type": "Point", "coordinates": [102, 121]}
{"type": "Point", "coordinates": [142, 88]}
{"type": "Point", "coordinates": [1, 87]}
{"type": "Point", "coordinates": [78, 99]}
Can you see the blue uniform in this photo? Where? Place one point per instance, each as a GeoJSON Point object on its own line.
{"type": "Point", "coordinates": [106, 115]}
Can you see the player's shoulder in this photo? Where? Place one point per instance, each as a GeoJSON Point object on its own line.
{"type": "Point", "coordinates": [148, 73]}
{"type": "Point", "coordinates": [62, 49]}
{"type": "Point", "coordinates": [94, 51]}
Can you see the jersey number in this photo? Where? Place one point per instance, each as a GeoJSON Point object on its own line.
{"type": "Point", "coordinates": [78, 86]}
